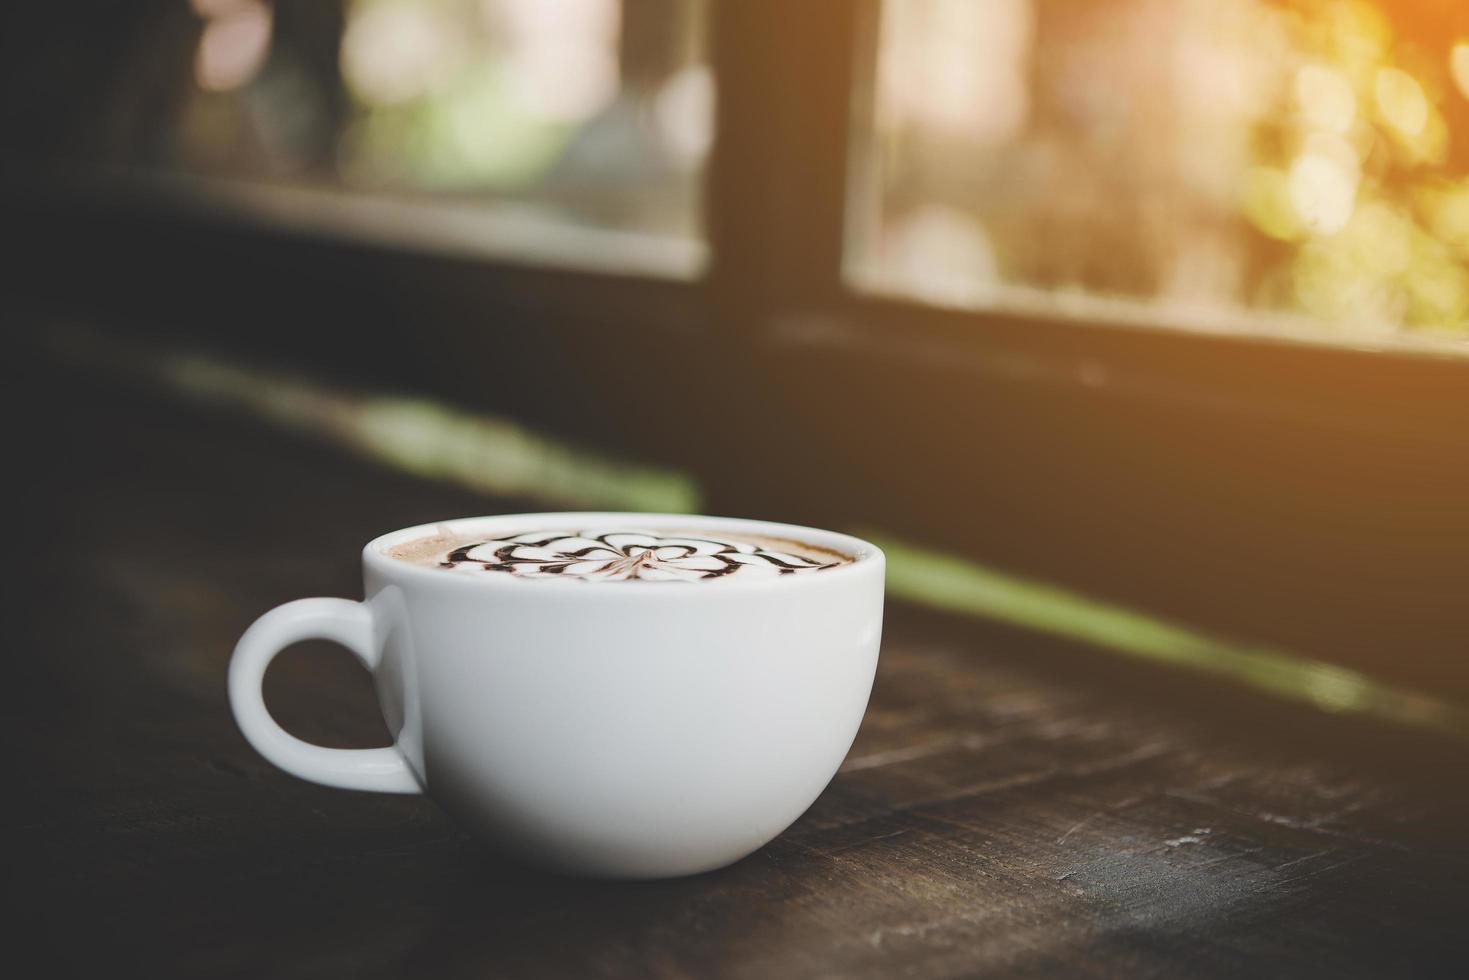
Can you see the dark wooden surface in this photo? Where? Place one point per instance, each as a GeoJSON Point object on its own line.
{"type": "Point", "coordinates": [1012, 807]}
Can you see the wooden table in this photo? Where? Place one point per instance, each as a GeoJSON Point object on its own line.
{"type": "Point", "coordinates": [1012, 807]}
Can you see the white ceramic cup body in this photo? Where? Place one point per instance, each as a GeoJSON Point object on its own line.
{"type": "Point", "coordinates": [622, 729]}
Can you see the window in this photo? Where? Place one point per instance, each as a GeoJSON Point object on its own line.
{"type": "Point", "coordinates": [524, 124]}
{"type": "Point", "coordinates": [1292, 167]}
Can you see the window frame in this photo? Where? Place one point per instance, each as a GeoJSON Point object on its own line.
{"type": "Point", "coordinates": [809, 292]}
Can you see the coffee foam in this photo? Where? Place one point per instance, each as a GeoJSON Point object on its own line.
{"type": "Point", "coordinates": [619, 554]}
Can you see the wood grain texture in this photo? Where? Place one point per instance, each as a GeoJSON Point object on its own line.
{"type": "Point", "coordinates": [1012, 807]}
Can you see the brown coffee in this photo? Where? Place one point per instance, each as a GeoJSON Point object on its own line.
{"type": "Point", "coordinates": [621, 554]}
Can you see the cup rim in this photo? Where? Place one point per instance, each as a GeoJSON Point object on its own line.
{"type": "Point", "coordinates": [864, 554]}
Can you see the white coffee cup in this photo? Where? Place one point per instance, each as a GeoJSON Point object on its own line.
{"type": "Point", "coordinates": [611, 728]}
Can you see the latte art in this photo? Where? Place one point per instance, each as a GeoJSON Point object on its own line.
{"type": "Point", "coordinates": [631, 554]}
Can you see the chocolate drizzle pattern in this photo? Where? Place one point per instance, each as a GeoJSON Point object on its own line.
{"type": "Point", "coordinates": [624, 555]}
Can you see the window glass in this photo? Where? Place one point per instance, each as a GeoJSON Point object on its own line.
{"type": "Point", "coordinates": [578, 114]}
{"type": "Point", "coordinates": [1290, 166]}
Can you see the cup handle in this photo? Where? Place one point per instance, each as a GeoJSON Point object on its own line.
{"type": "Point", "coordinates": [343, 621]}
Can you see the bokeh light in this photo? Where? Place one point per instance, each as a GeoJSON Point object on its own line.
{"type": "Point", "coordinates": [562, 59]}
{"type": "Point", "coordinates": [397, 51]}
{"type": "Point", "coordinates": [1323, 183]}
{"type": "Point", "coordinates": [233, 45]}
{"type": "Point", "coordinates": [1401, 101]}
{"type": "Point", "coordinates": [956, 65]}
{"type": "Point", "coordinates": [1326, 98]}
{"type": "Point", "coordinates": [1459, 67]}
{"type": "Point", "coordinates": [684, 107]}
